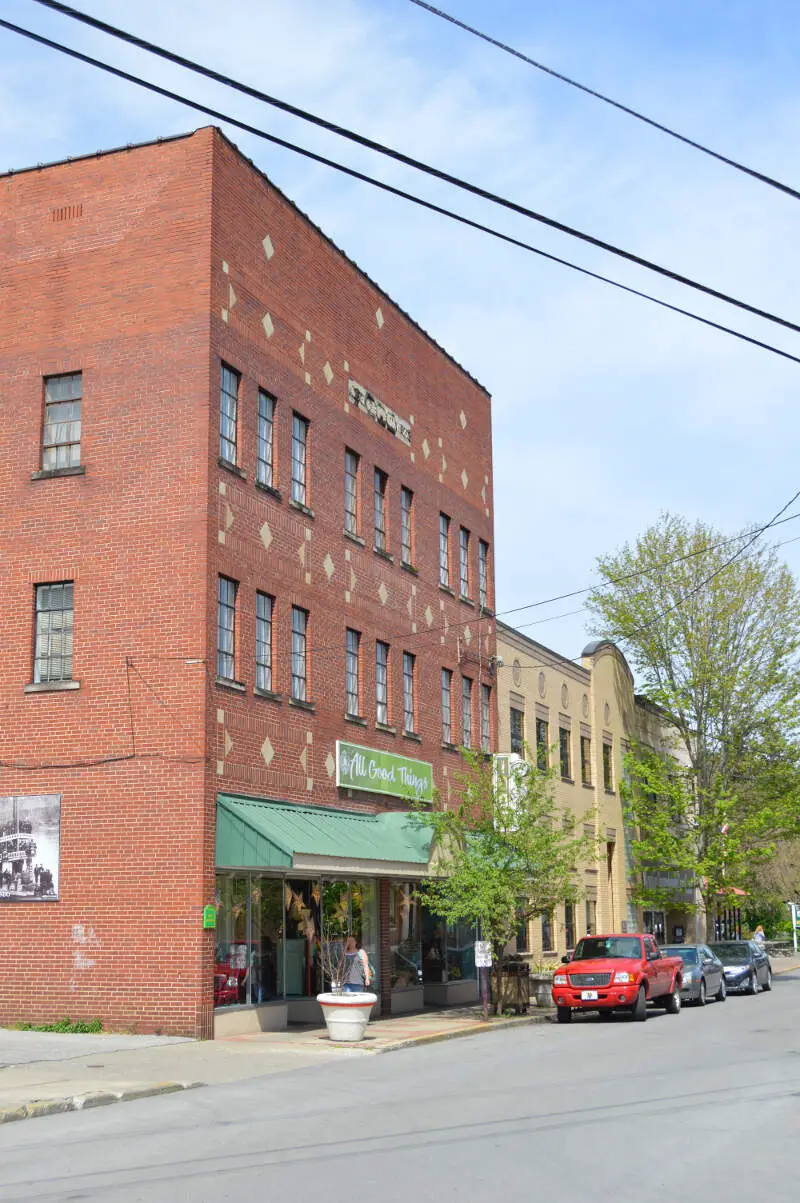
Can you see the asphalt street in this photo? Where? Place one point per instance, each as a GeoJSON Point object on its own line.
{"type": "Point", "coordinates": [702, 1104]}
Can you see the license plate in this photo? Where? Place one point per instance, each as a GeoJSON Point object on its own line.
{"type": "Point", "coordinates": [588, 995]}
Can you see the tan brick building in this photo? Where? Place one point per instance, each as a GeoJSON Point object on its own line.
{"type": "Point", "coordinates": [248, 580]}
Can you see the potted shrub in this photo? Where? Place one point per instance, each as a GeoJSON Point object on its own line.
{"type": "Point", "coordinates": [346, 1013]}
{"type": "Point", "coordinates": [541, 982]}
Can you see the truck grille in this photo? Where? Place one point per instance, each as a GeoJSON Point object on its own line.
{"type": "Point", "coordinates": [589, 979]}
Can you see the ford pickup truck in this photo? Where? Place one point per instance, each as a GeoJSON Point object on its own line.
{"type": "Point", "coordinates": [617, 973]}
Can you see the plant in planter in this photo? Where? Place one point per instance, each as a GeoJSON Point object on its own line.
{"type": "Point", "coordinates": [540, 982]}
{"type": "Point", "coordinates": [346, 1013]}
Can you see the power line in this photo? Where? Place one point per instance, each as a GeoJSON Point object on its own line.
{"type": "Point", "coordinates": [616, 104]}
{"type": "Point", "coordinates": [389, 188]}
{"type": "Point", "coordinates": [371, 144]}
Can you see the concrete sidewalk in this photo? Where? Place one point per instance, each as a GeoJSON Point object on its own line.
{"type": "Point", "coordinates": [46, 1073]}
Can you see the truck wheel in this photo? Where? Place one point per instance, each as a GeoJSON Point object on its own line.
{"type": "Point", "coordinates": [564, 1014]}
{"type": "Point", "coordinates": [672, 1002]}
{"type": "Point", "coordinates": [639, 1008]}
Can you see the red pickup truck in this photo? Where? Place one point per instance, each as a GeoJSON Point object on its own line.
{"type": "Point", "coordinates": [617, 973]}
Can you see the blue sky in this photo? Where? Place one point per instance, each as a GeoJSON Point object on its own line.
{"type": "Point", "coordinates": [607, 411]}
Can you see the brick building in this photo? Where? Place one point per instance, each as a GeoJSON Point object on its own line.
{"type": "Point", "coordinates": [247, 599]}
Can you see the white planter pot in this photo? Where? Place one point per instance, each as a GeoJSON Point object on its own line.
{"type": "Point", "coordinates": [346, 1015]}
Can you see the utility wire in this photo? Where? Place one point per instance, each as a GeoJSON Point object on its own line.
{"type": "Point", "coordinates": [616, 104]}
{"type": "Point", "coordinates": [380, 148]}
{"type": "Point", "coordinates": [389, 188]}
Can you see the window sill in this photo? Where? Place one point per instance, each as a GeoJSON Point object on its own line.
{"type": "Point", "coordinates": [611, 792]}
{"type": "Point", "coordinates": [466, 601]}
{"type": "Point", "coordinates": [567, 780]}
{"type": "Point", "coordinates": [384, 555]}
{"type": "Point", "coordinates": [446, 747]}
{"type": "Point", "coordinates": [273, 492]}
{"type": "Point", "coordinates": [301, 705]}
{"type": "Point", "coordinates": [446, 589]}
{"type": "Point", "coordinates": [409, 568]}
{"type": "Point", "coordinates": [355, 718]}
{"type": "Point", "coordinates": [386, 728]}
{"type": "Point", "coordinates": [47, 473]}
{"type": "Point", "coordinates": [229, 467]}
{"type": "Point", "coordinates": [486, 612]}
{"type": "Point", "coordinates": [417, 738]}
{"type": "Point", "coordinates": [269, 694]}
{"type": "Point", "coordinates": [354, 538]}
{"type": "Point", "coordinates": [302, 507]}
{"type": "Point", "coordinates": [51, 686]}
{"type": "Point", "coordinates": [587, 785]}
{"type": "Point", "coordinates": [229, 683]}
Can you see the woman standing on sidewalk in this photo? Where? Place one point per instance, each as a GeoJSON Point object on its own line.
{"type": "Point", "coordinates": [357, 972]}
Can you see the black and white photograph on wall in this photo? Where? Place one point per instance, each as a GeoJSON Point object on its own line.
{"type": "Point", "coordinates": [30, 829]}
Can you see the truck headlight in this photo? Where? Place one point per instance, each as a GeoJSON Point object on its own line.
{"type": "Point", "coordinates": [560, 979]}
{"type": "Point", "coordinates": [622, 977]}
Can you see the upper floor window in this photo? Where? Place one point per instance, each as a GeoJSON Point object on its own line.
{"type": "Point", "coordinates": [53, 635]}
{"type": "Point", "coordinates": [409, 692]}
{"type": "Point", "coordinates": [542, 744]}
{"type": "Point", "coordinates": [61, 437]}
{"type": "Point", "coordinates": [406, 526]}
{"type": "Point", "coordinates": [608, 768]}
{"type": "Point", "coordinates": [444, 550]}
{"type": "Point", "coordinates": [226, 628]}
{"type": "Point", "coordinates": [351, 472]}
{"type": "Point", "coordinates": [228, 412]}
{"type": "Point", "coordinates": [299, 654]}
{"type": "Point", "coordinates": [564, 738]}
{"type": "Point", "coordinates": [517, 726]}
{"type": "Point", "coordinates": [586, 760]}
{"type": "Point", "coordinates": [265, 471]}
{"type": "Point", "coordinates": [352, 673]}
{"type": "Point", "coordinates": [486, 718]}
{"type": "Point", "coordinates": [463, 562]}
{"type": "Point", "coordinates": [466, 712]}
{"type": "Point", "coordinates": [483, 574]}
{"type": "Point", "coordinates": [381, 536]}
{"type": "Point", "coordinates": [299, 459]}
{"type": "Point", "coordinates": [547, 931]}
{"type": "Point", "coordinates": [447, 709]}
{"type": "Point", "coordinates": [264, 612]}
{"type": "Point", "coordinates": [382, 682]}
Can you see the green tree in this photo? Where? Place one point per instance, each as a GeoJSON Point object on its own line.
{"type": "Point", "coordinates": [507, 852]}
{"type": "Point", "coordinates": [712, 634]}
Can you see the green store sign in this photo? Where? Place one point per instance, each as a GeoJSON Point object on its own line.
{"type": "Point", "coordinates": [383, 772]}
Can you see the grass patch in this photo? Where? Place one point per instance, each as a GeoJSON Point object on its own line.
{"type": "Point", "coordinates": [76, 1027]}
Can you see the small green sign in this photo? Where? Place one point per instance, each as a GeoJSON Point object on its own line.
{"type": "Point", "coordinates": [383, 773]}
{"type": "Point", "coordinates": [209, 917]}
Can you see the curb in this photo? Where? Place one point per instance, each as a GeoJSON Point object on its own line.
{"type": "Point", "coordinates": [542, 1016]}
{"type": "Point", "coordinates": [97, 1098]}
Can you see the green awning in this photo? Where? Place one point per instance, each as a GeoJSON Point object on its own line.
{"type": "Point", "coordinates": [253, 834]}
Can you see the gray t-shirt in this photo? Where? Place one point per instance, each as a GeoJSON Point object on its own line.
{"type": "Point", "coordinates": [354, 969]}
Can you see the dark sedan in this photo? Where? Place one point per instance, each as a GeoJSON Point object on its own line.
{"type": "Point", "coordinates": [703, 973]}
{"type": "Point", "coordinates": [747, 966]}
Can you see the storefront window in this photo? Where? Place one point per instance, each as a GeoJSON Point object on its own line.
{"type": "Point", "coordinates": [405, 936]}
{"type": "Point", "coordinates": [231, 986]}
{"type": "Point", "coordinates": [448, 950]}
{"type": "Point", "coordinates": [302, 901]}
{"type": "Point", "coordinates": [266, 939]}
{"type": "Point", "coordinates": [364, 920]}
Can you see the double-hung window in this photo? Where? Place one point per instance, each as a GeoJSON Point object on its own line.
{"type": "Point", "coordinates": [352, 675]}
{"type": "Point", "coordinates": [444, 551]}
{"type": "Point", "coordinates": [586, 760]}
{"type": "Point", "coordinates": [264, 611]}
{"type": "Point", "coordinates": [547, 931]}
{"type": "Point", "coordinates": [447, 706]}
{"type": "Point", "coordinates": [409, 692]}
{"type": "Point", "coordinates": [483, 574]}
{"type": "Point", "coordinates": [381, 535]}
{"type": "Point", "coordinates": [463, 562]}
{"type": "Point", "coordinates": [53, 636]}
{"type": "Point", "coordinates": [228, 412]}
{"type": "Point", "coordinates": [542, 744]}
{"type": "Point", "coordinates": [486, 718]}
{"type": "Point", "coordinates": [382, 682]}
{"type": "Point", "coordinates": [608, 767]}
{"type": "Point", "coordinates": [406, 526]}
{"type": "Point", "coordinates": [299, 459]}
{"type": "Point", "coordinates": [265, 469]}
{"type": "Point", "coordinates": [299, 654]}
{"type": "Point", "coordinates": [351, 471]}
{"type": "Point", "coordinates": [517, 729]}
{"type": "Point", "coordinates": [61, 437]}
{"type": "Point", "coordinates": [564, 752]}
{"type": "Point", "coordinates": [226, 628]}
{"type": "Point", "coordinates": [466, 712]}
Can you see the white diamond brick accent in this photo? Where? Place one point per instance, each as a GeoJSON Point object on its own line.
{"type": "Point", "coordinates": [327, 372]}
{"type": "Point", "coordinates": [267, 752]}
{"type": "Point", "coordinates": [379, 318]}
{"type": "Point", "coordinates": [232, 297]}
{"type": "Point", "coordinates": [428, 615]}
{"type": "Point", "coordinates": [462, 417]}
{"type": "Point", "coordinates": [330, 764]}
{"type": "Point", "coordinates": [225, 267]}
{"type": "Point", "coordinates": [329, 566]}
{"type": "Point", "coordinates": [266, 536]}
{"type": "Point", "coordinates": [220, 716]}
{"type": "Point", "coordinates": [301, 351]}
{"type": "Point", "coordinates": [467, 636]}
{"type": "Point", "coordinates": [228, 743]}
{"type": "Point", "coordinates": [425, 448]}
{"type": "Point", "coordinates": [464, 477]}
{"type": "Point", "coordinates": [268, 324]}
{"type": "Point", "coordinates": [304, 759]}
{"type": "Point", "coordinates": [269, 249]}
{"type": "Point", "coordinates": [383, 593]}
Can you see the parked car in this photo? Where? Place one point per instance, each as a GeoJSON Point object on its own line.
{"type": "Point", "coordinates": [703, 973]}
{"type": "Point", "coordinates": [747, 966]}
{"type": "Point", "coordinates": [617, 973]}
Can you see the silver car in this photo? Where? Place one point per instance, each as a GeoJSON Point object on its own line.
{"type": "Point", "coordinates": [703, 973]}
{"type": "Point", "coordinates": [747, 966]}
